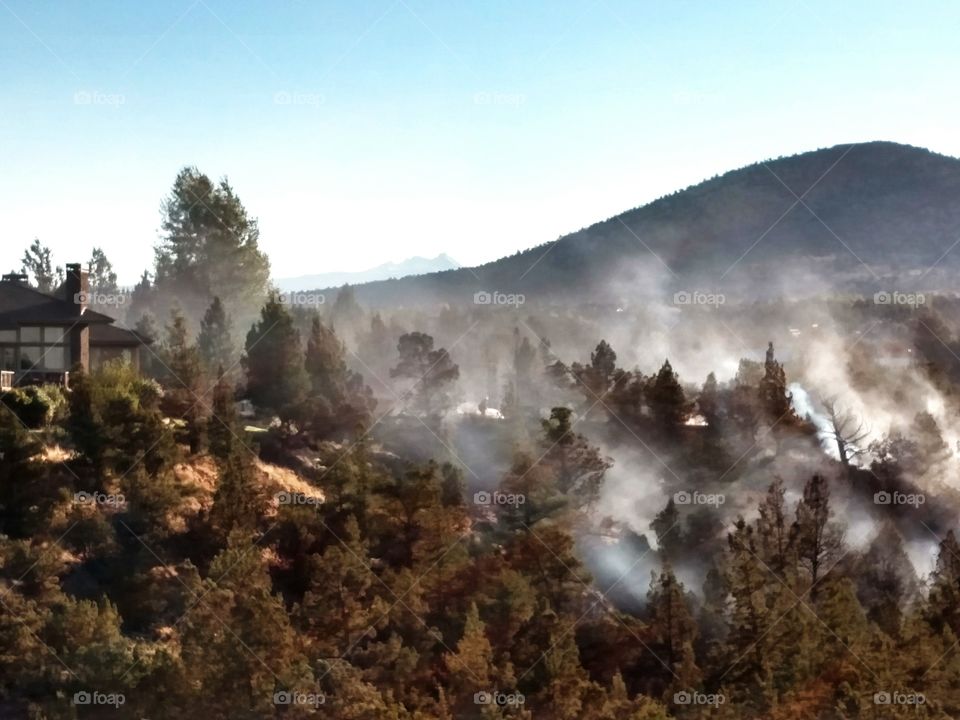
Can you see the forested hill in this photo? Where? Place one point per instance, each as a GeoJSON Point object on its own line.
{"type": "Point", "coordinates": [871, 216]}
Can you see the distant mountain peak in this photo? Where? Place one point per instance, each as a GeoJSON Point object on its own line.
{"type": "Point", "coordinates": [416, 265]}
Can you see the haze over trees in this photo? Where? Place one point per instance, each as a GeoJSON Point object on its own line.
{"type": "Point", "coordinates": [366, 512]}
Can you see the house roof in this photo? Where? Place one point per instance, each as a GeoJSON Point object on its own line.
{"type": "Point", "coordinates": [21, 304]}
{"type": "Point", "coordinates": [114, 336]}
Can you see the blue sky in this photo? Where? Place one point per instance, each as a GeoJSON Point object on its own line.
{"type": "Point", "coordinates": [363, 132]}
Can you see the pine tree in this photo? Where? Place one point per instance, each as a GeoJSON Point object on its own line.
{"type": "Point", "coordinates": [773, 530]}
{"type": "Point", "coordinates": [238, 647]}
{"type": "Point", "coordinates": [431, 372]}
{"type": "Point", "coordinates": [39, 267]}
{"type": "Point", "coordinates": [239, 501]}
{"type": "Point", "coordinates": [182, 380]}
{"type": "Point", "coordinates": [102, 277]}
{"type": "Point", "coordinates": [566, 682]}
{"type": "Point", "coordinates": [887, 583]}
{"type": "Point", "coordinates": [210, 248]}
{"type": "Point", "coordinates": [223, 428]}
{"type": "Point", "coordinates": [471, 666]}
{"type": "Point", "coordinates": [340, 605]}
{"type": "Point", "coordinates": [709, 401]}
{"type": "Point", "coordinates": [339, 401]}
{"type": "Point", "coordinates": [749, 621]}
{"type": "Point", "coordinates": [944, 598]}
{"type": "Point", "coordinates": [147, 329]}
{"type": "Point", "coordinates": [666, 525]}
{"type": "Point", "coordinates": [276, 379]}
{"type": "Point", "coordinates": [773, 389]}
{"type": "Point", "coordinates": [817, 540]}
{"type": "Point", "coordinates": [214, 342]}
{"type": "Point", "coordinates": [524, 356]}
{"type": "Point", "coordinates": [577, 466]}
{"type": "Point", "coordinates": [674, 632]}
{"type": "Point", "coordinates": [346, 314]}
{"type": "Point", "coordinates": [667, 400]}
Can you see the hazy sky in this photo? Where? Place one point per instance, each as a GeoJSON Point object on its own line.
{"type": "Point", "coordinates": [365, 131]}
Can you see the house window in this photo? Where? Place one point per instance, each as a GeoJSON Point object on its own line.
{"type": "Point", "coordinates": [30, 357]}
{"type": "Point", "coordinates": [54, 335]}
{"type": "Point", "coordinates": [36, 357]}
{"type": "Point", "coordinates": [29, 334]}
{"type": "Point", "coordinates": [8, 336]}
{"type": "Point", "coordinates": [8, 358]}
{"type": "Point", "coordinates": [54, 358]}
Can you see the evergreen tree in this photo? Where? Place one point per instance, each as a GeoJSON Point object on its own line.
{"type": "Point", "coordinates": [102, 277]}
{"type": "Point", "coordinates": [471, 666]}
{"type": "Point", "coordinates": [887, 583]}
{"type": "Point", "coordinates": [146, 328]}
{"type": "Point", "coordinates": [345, 314]}
{"type": "Point", "coordinates": [239, 501]}
{"type": "Point", "coordinates": [38, 266]}
{"type": "Point", "coordinates": [749, 622]}
{"type": "Point", "coordinates": [577, 466]}
{"type": "Point", "coordinates": [666, 399]}
{"type": "Point", "coordinates": [210, 248]}
{"type": "Point", "coordinates": [666, 526]}
{"type": "Point", "coordinates": [431, 372]}
{"type": "Point", "coordinates": [944, 598]}
{"type": "Point", "coordinates": [817, 540]}
{"type": "Point", "coordinates": [340, 605]}
{"type": "Point", "coordinates": [182, 379]}
{"type": "Point", "coordinates": [773, 389]}
{"type": "Point", "coordinates": [276, 379]}
{"type": "Point", "coordinates": [773, 530]}
{"type": "Point", "coordinates": [339, 401]}
{"type": "Point", "coordinates": [214, 342]}
{"type": "Point", "coordinates": [238, 646]}
{"type": "Point", "coordinates": [674, 632]}
{"type": "Point", "coordinates": [224, 431]}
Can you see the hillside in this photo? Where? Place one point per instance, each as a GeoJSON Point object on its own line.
{"type": "Point", "coordinates": [873, 216]}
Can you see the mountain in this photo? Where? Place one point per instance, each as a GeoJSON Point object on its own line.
{"type": "Point", "coordinates": [410, 266]}
{"type": "Point", "coordinates": [854, 218]}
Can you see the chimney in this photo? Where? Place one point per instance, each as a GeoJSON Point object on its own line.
{"type": "Point", "coordinates": [77, 286]}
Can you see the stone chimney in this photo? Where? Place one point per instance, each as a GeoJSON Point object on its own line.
{"type": "Point", "coordinates": [77, 286]}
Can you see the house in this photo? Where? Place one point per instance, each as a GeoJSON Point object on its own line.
{"type": "Point", "coordinates": [43, 335]}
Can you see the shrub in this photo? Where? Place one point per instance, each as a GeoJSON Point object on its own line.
{"type": "Point", "coordinates": [30, 404]}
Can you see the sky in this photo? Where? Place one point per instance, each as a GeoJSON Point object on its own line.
{"type": "Point", "coordinates": [365, 131]}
